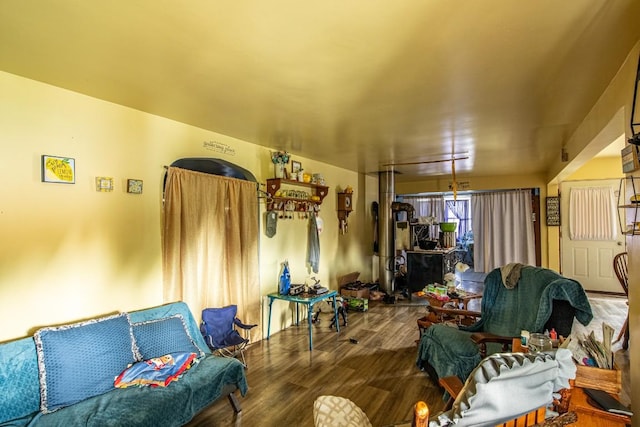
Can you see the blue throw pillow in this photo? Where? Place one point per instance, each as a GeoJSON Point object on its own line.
{"type": "Point", "coordinates": [81, 360]}
{"type": "Point", "coordinates": [156, 338]}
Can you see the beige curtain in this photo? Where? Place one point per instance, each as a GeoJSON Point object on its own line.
{"type": "Point", "coordinates": [210, 243]}
{"type": "Point", "coordinates": [592, 214]}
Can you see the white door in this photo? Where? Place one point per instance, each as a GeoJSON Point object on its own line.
{"type": "Point", "coordinates": [590, 262]}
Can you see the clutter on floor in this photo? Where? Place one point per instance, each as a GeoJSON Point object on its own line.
{"type": "Point", "coordinates": [356, 293]}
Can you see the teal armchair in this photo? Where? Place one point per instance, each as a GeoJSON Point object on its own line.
{"type": "Point", "coordinates": [539, 299]}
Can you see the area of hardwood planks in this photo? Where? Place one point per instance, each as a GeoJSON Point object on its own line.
{"type": "Point", "coordinates": [378, 373]}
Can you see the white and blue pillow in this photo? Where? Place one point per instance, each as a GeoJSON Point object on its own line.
{"type": "Point", "coordinates": [81, 360]}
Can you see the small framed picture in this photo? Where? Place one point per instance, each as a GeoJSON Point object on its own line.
{"type": "Point", "coordinates": [134, 186]}
{"type": "Point", "coordinates": [104, 184]}
{"type": "Point", "coordinates": [630, 159]}
{"type": "Point", "coordinates": [58, 169]}
{"type": "Point", "coordinates": [553, 211]}
{"type": "Point", "coordinates": [295, 167]}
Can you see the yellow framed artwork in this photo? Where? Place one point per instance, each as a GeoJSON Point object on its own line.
{"type": "Point", "coordinates": [58, 169]}
{"type": "Point", "coordinates": [104, 184]}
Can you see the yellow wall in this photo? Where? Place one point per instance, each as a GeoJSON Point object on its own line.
{"type": "Point", "coordinates": [599, 168]}
{"type": "Point", "coordinates": [70, 252]}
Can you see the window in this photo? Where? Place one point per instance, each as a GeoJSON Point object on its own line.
{"type": "Point", "coordinates": [459, 211]}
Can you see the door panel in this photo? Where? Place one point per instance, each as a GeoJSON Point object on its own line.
{"type": "Point", "coordinates": [589, 262]}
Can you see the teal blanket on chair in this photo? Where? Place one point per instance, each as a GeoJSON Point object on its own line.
{"type": "Point", "coordinates": [505, 312]}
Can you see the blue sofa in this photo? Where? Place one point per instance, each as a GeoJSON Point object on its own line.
{"type": "Point", "coordinates": [63, 376]}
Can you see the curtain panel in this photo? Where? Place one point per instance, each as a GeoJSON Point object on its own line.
{"type": "Point", "coordinates": [460, 209]}
{"type": "Point", "coordinates": [210, 243]}
{"type": "Point", "coordinates": [502, 224]}
{"type": "Point", "coordinates": [592, 214]}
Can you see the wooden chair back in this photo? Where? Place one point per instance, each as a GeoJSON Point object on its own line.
{"type": "Point", "coordinates": [620, 268]}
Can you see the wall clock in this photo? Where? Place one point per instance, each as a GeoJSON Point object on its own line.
{"type": "Point", "coordinates": [345, 201]}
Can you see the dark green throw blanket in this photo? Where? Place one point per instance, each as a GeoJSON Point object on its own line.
{"type": "Point", "coordinates": [505, 312]}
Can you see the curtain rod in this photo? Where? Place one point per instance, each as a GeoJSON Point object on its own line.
{"type": "Point", "coordinates": [462, 193]}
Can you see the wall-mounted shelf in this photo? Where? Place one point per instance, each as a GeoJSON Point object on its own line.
{"type": "Point", "coordinates": [294, 200]}
{"type": "Point", "coordinates": [628, 211]}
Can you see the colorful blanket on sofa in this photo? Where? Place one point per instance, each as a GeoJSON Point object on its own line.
{"type": "Point", "coordinates": [157, 371]}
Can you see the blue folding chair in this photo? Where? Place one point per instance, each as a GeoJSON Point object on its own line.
{"type": "Point", "coordinates": [218, 328]}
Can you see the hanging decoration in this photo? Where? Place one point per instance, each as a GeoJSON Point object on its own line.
{"type": "Point", "coordinates": [454, 183]}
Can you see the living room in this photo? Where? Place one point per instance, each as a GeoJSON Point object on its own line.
{"type": "Point", "coordinates": [74, 252]}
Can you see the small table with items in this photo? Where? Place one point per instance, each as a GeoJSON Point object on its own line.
{"type": "Point", "coordinates": [309, 300]}
{"type": "Point", "coordinates": [439, 314]}
{"type": "Point", "coordinates": [459, 297]}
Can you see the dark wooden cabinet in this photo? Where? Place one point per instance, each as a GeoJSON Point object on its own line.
{"type": "Point", "coordinates": [427, 267]}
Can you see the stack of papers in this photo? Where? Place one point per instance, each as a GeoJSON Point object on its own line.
{"type": "Point", "coordinates": [587, 350]}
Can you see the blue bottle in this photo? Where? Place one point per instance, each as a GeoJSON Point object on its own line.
{"type": "Point", "coordinates": [285, 279]}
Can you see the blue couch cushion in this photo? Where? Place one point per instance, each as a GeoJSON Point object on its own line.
{"type": "Point", "coordinates": [81, 360]}
{"type": "Point", "coordinates": [19, 386]}
{"type": "Point", "coordinates": [158, 337]}
{"type": "Point", "coordinates": [168, 310]}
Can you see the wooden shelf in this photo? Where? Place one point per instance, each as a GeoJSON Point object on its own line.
{"type": "Point", "coordinates": [301, 204]}
{"type": "Point", "coordinates": [628, 211]}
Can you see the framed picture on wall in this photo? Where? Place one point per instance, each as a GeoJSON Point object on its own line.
{"type": "Point", "coordinates": [58, 169]}
{"type": "Point", "coordinates": [104, 184]}
{"type": "Point", "coordinates": [630, 158]}
{"type": "Point", "coordinates": [553, 211]}
{"type": "Point", "coordinates": [295, 167]}
{"type": "Point", "coordinates": [134, 186]}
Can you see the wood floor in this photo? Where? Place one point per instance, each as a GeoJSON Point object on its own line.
{"type": "Point", "coordinates": [378, 373]}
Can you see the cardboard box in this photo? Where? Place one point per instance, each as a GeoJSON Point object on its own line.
{"type": "Point", "coordinates": [609, 380]}
{"type": "Point", "coordinates": [348, 278]}
{"type": "Point", "coordinates": [358, 304]}
{"type": "Point", "coordinates": [351, 288]}
{"type": "Point", "coordinates": [355, 293]}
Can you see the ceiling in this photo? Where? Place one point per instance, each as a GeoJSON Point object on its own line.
{"type": "Point", "coordinates": [360, 84]}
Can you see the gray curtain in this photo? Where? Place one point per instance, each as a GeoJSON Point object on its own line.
{"type": "Point", "coordinates": [502, 229]}
{"type": "Point", "coordinates": [428, 206]}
